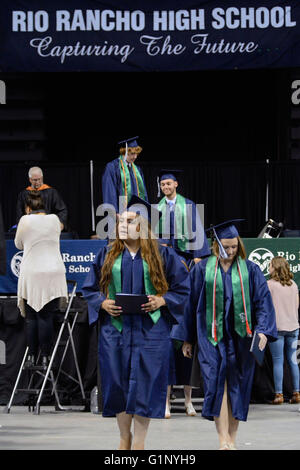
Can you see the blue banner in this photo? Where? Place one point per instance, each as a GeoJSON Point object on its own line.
{"type": "Point", "coordinates": [79, 254]}
{"type": "Point", "coordinates": [61, 35]}
{"type": "Point", "coordinates": [76, 254]}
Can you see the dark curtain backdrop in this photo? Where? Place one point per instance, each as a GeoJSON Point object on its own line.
{"type": "Point", "coordinates": [227, 189]}
{"type": "Point", "coordinates": [285, 193]}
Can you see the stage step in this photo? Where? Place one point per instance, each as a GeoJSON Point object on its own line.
{"type": "Point", "coordinates": [31, 391]}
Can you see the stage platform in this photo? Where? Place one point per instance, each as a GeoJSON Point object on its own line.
{"type": "Point", "coordinates": [269, 427]}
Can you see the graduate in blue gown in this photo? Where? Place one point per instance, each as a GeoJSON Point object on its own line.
{"type": "Point", "coordinates": [134, 349]}
{"type": "Point", "coordinates": [180, 225]}
{"type": "Point", "coordinates": [122, 177]}
{"type": "Point", "coordinates": [229, 300]}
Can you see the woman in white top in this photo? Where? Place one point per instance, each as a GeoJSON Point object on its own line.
{"type": "Point", "coordinates": [42, 277]}
{"type": "Point", "coordinates": [285, 296]}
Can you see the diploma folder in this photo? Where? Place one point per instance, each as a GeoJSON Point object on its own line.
{"type": "Point", "coordinates": [131, 303]}
{"type": "Point", "coordinates": [254, 349]}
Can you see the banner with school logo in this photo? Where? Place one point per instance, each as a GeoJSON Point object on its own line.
{"type": "Point", "coordinates": [76, 254]}
{"type": "Point", "coordinates": [79, 254]}
{"type": "Point", "coordinates": [262, 250]}
{"type": "Point", "coordinates": [60, 35]}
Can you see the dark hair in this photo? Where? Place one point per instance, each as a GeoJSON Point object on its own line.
{"type": "Point", "coordinates": [34, 200]}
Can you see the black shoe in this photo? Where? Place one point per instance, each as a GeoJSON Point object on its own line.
{"type": "Point", "coordinates": [30, 361]}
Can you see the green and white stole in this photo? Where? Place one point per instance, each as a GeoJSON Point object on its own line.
{"type": "Point", "coordinates": [180, 216]}
{"type": "Point", "coordinates": [215, 299]}
{"type": "Point", "coordinates": [115, 286]}
{"type": "Point", "coordinates": [126, 181]}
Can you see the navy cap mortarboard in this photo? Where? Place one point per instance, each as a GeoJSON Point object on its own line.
{"type": "Point", "coordinates": [132, 142]}
{"type": "Point", "coordinates": [144, 208]}
{"type": "Point", "coordinates": [187, 255]}
{"type": "Point", "coordinates": [169, 174]}
{"type": "Point", "coordinates": [226, 230]}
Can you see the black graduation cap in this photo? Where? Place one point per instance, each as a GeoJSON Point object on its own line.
{"type": "Point", "coordinates": [226, 229]}
{"type": "Point", "coordinates": [132, 142]}
{"type": "Point", "coordinates": [144, 208]}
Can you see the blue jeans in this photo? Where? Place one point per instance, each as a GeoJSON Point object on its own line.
{"type": "Point", "coordinates": [287, 340]}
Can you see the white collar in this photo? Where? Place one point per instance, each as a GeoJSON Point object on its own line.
{"type": "Point", "coordinates": [171, 201]}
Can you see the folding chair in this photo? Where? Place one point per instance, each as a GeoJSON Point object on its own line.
{"type": "Point", "coordinates": [41, 375]}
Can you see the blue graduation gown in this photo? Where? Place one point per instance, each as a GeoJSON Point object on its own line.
{"type": "Point", "coordinates": [180, 366]}
{"type": "Point", "coordinates": [231, 359]}
{"type": "Point", "coordinates": [196, 224]}
{"type": "Point", "coordinates": [134, 364]}
{"type": "Point", "coordinates": [112, 184]}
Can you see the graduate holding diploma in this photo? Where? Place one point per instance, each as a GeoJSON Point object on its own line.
{"type": "Point", "coordinates": [134, 348]}
{"type": "Point", "coordinates": [229, 300]}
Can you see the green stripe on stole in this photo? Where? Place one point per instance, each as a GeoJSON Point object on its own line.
{"type": "Point", "coordinates": [181, 224]}
{"type": "Point", "coordinates": [126, 179]}
{"type": "Point", "coordinates": [215, 299]}
{"type": "Point", "coordinates": [115, 286]}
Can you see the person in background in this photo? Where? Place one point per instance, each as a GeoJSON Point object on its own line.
{"type": "Point", "coordinates": [180, 366]}
{"type": "Point", "coordinates": [122, 177]}
{"type": "Point", "coordinates": [180, 224]}
{"type": "Point", "coordinates": [52, 200]}
{"type": "Point", "coordinates": [229, 300]}
{"type": "Point", "coordinates": [134, 349]}
{"type": "Point", "coordinates": [180, 214]}
{"type": "Point", "coordinates": [285, 296]}
{"type": "Point", "coordinates": [42, 277]}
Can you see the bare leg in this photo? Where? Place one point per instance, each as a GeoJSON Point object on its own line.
{"type": "Point", "coordinates": [141, 425]}
{"type": "Point", "coordinates": [168, 411]}
{"type": "Point", "coordinates": [187, 395]}
{"type": "Point", "coordinates": [189, 409]}
{"type": "Point", "coordinates": [222, 422]}
{"type": "Point", "coordinates": [124, 423]}
{"type": "Point", "coordinates": [233, 428]}
{"type": "Point", "coordinates": [226, 424]}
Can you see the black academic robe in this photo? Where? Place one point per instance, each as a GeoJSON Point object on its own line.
{"type": "Point", "coordinates": [134, 364]}
{"type": "Point", "coordinates": [52, 201]}
{"type": "Point", "coordinates": [230, 359]}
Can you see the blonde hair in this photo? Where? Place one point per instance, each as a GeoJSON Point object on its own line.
{"type": "Point", "coordinates": [137, 150]}
{"type": "Point", "coordinates": [241, 248]}
{"type": "Point", "coordinates": [149, 252]}
{"type": "Point", "coordinates": [282, 272]}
